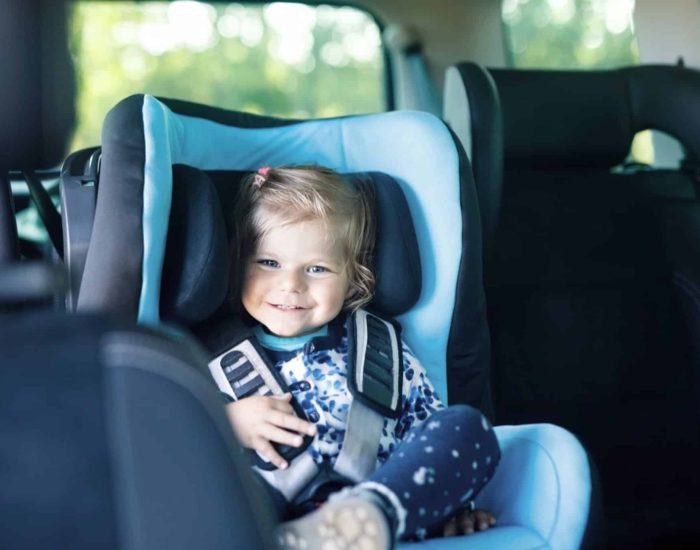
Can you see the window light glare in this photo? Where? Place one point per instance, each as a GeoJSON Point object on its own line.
{"type": "Point", "coordinates": [562, 10]}
{"type": "Point", "coordinates": [252, 29]}
{"type": "Point", "coordinates": [618, 16]}
{"type": "Point", "coordinates": [350, 19]}
{"type": "Point", "coordinates": [334, 54]}
{"type": "Point", "coordinates": [292, 48]}
{"type": "Point", "coordinates": [593, 39]}
{"type": "Point", "coordinates": [509, 7]}
{"type": "Point", "coordinates": [228, 25]}
{"type": "Point", "coordinates": [192, 24]}
{"type": "Point", "coordinates": [293, 25]}
{"type": "Point", "coordinates": [155, 38]}
{"type": "Point", "coordinates": [125, 33]}
{"type": "Point", "coordinates": [361, 47]}
{"type": "Point", "coordinates": [134, 63]}
{"type": "Point", "coordinates": [290, 18]}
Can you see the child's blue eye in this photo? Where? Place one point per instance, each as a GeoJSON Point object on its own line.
{"type": "Point", "coordinates": [316, 269]}
{"type": "Point", "coordinates": [267, 263]}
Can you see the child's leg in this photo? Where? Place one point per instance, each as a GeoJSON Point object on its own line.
{"type": "Point", "coordinates": [439, 466]}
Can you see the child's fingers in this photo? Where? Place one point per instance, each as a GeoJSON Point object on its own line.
{"type": "Point", "coordinates": [280, 405]}
{"type": "Point", "coordinates": [291, 422]}
{"type": "Point", "coordinates": [284, 397]}
{"type": "Point", "coordinates": [278, 435]}
{"type": "Point", "coordinates": [266, 449]}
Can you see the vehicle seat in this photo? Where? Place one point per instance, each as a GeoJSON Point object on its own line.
{"type": "Point", "coordinates": [594, 284]}
{"type": "Point", "coordinates": [98, 419]}
{"type": "Point", "coordinates": [542, 491]}
{"type": "Point", "coordinates": [471, 108]}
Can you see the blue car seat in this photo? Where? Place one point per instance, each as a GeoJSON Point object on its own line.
{"type": "Point", "coordinates": [156, 252]}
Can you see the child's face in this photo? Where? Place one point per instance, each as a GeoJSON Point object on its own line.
{"type": "Point", "coordinates": [296, 281]}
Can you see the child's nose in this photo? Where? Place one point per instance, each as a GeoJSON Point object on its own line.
{"type": "Point", "coordinates": [292, 281]}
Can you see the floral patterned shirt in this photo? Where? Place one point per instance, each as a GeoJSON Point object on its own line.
{"type": "Point", "coordinates": [317, 378]}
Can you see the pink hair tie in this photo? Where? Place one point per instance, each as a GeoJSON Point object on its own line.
{"type": "Point", "coordinates": [260, 177]}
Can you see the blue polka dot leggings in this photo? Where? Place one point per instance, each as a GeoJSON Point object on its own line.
{"type": "Point", "coordinates": [439, 466]}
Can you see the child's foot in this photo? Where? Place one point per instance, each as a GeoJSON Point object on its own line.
{"type": "Point", "coordinates": [351, 523]}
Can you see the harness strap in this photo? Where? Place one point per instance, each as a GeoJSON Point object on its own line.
{"type": "Point", "coordinates": [291, 481]}
{"type": "Point", "coordinates": [375, 363]}
{"type": "Point", "coordinates": [375, 366]}
{"type": "Point", "coordinates": [241, 372]}
{"type": "Point", "coordinates": [358, 457]}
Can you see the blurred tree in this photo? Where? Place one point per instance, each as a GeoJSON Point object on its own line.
{"type": "Point", "coordinates": [279, 59]}
{"type": "Point", "coordinates": [570, 34]}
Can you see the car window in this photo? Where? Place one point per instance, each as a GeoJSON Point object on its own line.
{"type": "Point", "coordinates": [280, 59]}
{"type": "Point", "coordinates": [570, 34]}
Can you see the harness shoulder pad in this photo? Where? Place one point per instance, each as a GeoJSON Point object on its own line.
{"type": "Point", "coordinates": [242, 369]}
{"type": "Point", "coordinates": [375, 362]}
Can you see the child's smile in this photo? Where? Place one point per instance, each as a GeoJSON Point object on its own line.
{"type": "Point", "coordinates": [296, 281]}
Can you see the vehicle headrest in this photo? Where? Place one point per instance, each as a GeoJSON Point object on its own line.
{"type": "Point", "coordinates": [38, 109]}
{"type": "Point", "coordinates": [587, 119]}
{"type": "Point", "coordinates": [196, 265]}
{"type": "Point", "coordinates": [197, 258]}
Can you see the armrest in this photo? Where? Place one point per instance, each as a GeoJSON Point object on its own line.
{"type": "Point", "coordinates": [543, 482]}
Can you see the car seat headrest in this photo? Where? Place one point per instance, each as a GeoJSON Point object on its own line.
{"type": "Point", "coordinates": [197, 258]}
{"type": "Point", "coordinates": [396, 257]}
{"type": "Point", "coordinates": [587, 119]}
{"type": "Point", "coordinates": [196, 264]}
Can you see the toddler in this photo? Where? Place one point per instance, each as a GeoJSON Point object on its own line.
{"type": "Point", "coordinates": [305, 240]}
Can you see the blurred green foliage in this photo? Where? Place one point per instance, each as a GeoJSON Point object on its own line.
{"type": "Point", "coordinates": [279, 59]}
{"type": "Point", "coordinates": [570, 34]}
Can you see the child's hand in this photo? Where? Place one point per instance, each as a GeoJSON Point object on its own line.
{"type": "Point", "coordinates": [259, 421]}
{"type": "Point", "coordinates": [468, 521]}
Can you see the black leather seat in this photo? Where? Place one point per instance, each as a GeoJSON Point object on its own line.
{"type": "Point", "coordinates": [99, 420]}
{"type": "Point", "coordinates": [594, 284]}
{"type": "Point", "coordinates": [472, 109]}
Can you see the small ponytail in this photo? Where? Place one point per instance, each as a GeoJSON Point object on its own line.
{"type": "Point", "coordinates": [260, 177]}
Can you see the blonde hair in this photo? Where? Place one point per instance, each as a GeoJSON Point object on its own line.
{"type": "Point", "coordinates": [279, 196]}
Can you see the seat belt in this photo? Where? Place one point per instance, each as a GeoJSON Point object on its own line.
{"type": "Point", "coordinates": [46, 209]}
{"type": "Point", "coordinates": [375, 374]}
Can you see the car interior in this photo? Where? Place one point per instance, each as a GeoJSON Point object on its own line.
{"type": "Point", "coordinates": [539, 236]}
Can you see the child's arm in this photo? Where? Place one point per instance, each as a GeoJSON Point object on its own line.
{"type": "Point", "coordinates": [260, 421]}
